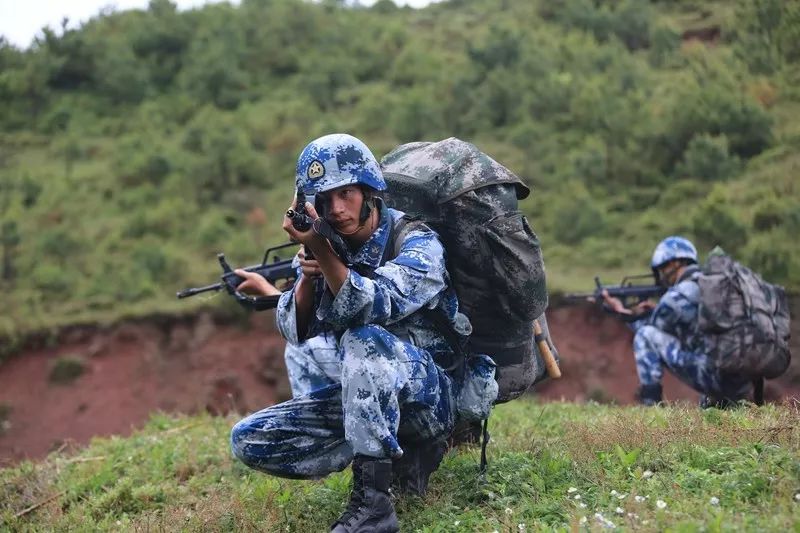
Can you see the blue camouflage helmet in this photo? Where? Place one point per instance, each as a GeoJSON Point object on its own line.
{"type": "Point", "coordinates": [334, 161]}
{"type": "Point", "coordinates": [673, 247]}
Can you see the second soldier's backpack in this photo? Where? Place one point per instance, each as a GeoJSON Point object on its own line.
{"type": "Point", "coordinates": [493, 255]}
{"type": "Point", "coordinates": [744, 319]}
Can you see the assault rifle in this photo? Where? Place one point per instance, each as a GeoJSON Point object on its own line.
{"type": "Point", "coordinates": [627, 291]}
{"type": "Point", "coordinates": [272, 272]}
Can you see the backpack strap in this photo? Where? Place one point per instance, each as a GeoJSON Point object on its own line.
{"type": "Point", "coordinates": [400, 229]}
{"type": "Point", "coordinates": [758, 390]}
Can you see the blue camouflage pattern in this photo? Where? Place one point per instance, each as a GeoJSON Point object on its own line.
{"type": "Point", "coordinates": [673, 247]}
{"type": "Point", "coordinates": [334, 161]}
{"type": "Point", "coordinates": [313, 364]}
{"type": "Point", "coordinates": [390, 357]}
{"type": "Point", "coordinates": [670, 337]}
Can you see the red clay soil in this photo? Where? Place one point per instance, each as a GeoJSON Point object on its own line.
{"type": "Point", "coordinates": [196, 364]}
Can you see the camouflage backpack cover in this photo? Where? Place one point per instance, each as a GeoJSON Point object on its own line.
{"type": "Point", "coordinates": [745, 319]}
{"type": "Point", "coordinates": [493, 256]}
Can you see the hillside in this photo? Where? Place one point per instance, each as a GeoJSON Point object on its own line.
{"type": "Point", "coordinates": [552, 467]}
{"type": "Point", "coordinates": [136, 147]}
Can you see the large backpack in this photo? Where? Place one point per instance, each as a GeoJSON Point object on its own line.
{"type": "Point", "coordinates": [744, 319]}
{"type": "Point", "coordinates": [493, 255]}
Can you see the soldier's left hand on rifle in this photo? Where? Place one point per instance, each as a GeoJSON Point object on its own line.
{"type": "Point", "coordinates": [616, 305]}
{"type": "Point", "coordinates": [255, 284]}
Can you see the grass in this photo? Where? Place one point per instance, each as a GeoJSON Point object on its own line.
{"type": "Point", "coordinates": [560, 466]}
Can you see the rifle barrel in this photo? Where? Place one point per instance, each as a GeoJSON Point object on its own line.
{"type": "Point", "coordinates": [185, 293]}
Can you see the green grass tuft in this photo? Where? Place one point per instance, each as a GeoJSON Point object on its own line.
{"type": "Point", "coordinates": [66, 369]}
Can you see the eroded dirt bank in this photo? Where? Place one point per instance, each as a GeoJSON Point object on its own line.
{"type": "Point", "coordinates": [201, 363]}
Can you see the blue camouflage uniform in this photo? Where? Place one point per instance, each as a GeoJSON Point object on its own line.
{"type": "Point", "coordinates": [366, 376]}
{"type": "Point", "coordinates": [669, 337]}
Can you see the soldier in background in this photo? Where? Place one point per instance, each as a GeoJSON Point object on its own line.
{"type": "Point", "coordinates": [669, 337]}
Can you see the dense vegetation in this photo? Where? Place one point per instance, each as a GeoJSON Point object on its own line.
{"type": "Point", "coordinates": [136, 147]}
{"type": "Point", "coordinates": [553, 467]}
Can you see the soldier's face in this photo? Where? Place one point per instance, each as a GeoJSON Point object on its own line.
{"type": "Point", "coordinates": [343, 207]}
{"type": "Point", "coordinates": [668, 273]}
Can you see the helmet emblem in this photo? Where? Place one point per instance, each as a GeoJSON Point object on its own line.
{"type": "Point", "coordinates": [316, 170]}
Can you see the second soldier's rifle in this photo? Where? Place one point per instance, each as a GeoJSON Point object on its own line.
{"type": "Point", "coordinates": [627, 291]}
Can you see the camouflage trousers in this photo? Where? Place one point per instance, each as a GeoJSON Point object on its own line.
{"type": "Point", "coordinates": [389, 391]}
{"type": "Point", "coordinates": [313, 364]}
{"type": "Point", "coordinates": [655, 349]}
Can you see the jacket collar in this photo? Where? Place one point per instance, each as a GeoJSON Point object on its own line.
{"type": "Point", "coordinates": [370, 253]}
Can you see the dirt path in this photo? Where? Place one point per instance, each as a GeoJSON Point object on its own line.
{"type": "Point", "coordinates": [194, 364]}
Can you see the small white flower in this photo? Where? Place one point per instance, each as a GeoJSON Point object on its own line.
{"type": "Point", "coordinates": [639, 499]}
{"type": "Point", "coordinates": [577, 497]}
{"type": "Point", "coordinates": [491, 494]}
{"type": "Point", "coordinates": [633, 515]}
{"type": "Point", "coordinates": [622, 496]}
{"type": "Point", "coordinates": [797, 497]}
{"type": "Point", "coordinates": [119, 523]}
{"type": "Point", "coordinates": [509, 510]}
{"type": "Point", "coordinates": [521, 527]}
{"type": "Point", "coordinates": [714, 500]}
{"type": "Point", "coordinates": [582, 505]}
{"type": "Point", "coordinates": [645, 522]}
{"type": "Point", "coordinates": [495, 531]}
{"type": "Point", "coordinates": [457, 523]}
{"type": "Point", "coordinates": [614, 492]}
{"type": "Point", "coordinates": [582, 520]}
{"type": "Point", "coordinates": [619, 511]}
{"type": "Point", "coordinates": [571, 490]}
{"type": "Point", "coordinates": [646, 474]}
{"type": "Point", "coordinates": [661, 504]}
{"type": "Point", "coordinates": [605, 522]}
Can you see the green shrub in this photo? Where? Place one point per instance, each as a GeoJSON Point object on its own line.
{"type": "Point", "coordinates": [774, 255]}
{"type": "Point", "coordinates": [707, 158]}
{"type": "Point", "coordinates": [774, 213]}
{"type": "Point", "coordinates": [66, 369]}
{"type": "Point", "coordinates": [52, 279]}
{"type": "Point", "coordinates": [665, 41]}
{"type": "Point", "coordinates": [578, 216]}
{"type": "Point", "coordinates": [715, 223]}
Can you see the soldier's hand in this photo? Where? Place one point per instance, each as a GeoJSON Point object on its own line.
{"type": "Point", "coordinates": [644, 307]}
{"type": "Point", "coordinates": [255, 284]}
{"type": "Point", "coordinates": [303, 237]}
{"type": "Point", "coordinates": [615, 304]}
{"type": "Point", "coordinates": [309, 267]}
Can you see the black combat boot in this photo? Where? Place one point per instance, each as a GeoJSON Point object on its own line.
{"type": "Point", "coordinates": [370, 509]}
{"type": "Point", "coordinates": [649, 394]}
{"type": "Point", "coordinates": [410, 473]}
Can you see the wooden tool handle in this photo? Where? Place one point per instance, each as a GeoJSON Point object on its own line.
{"type": "Point", "coordinates": [549, 361]}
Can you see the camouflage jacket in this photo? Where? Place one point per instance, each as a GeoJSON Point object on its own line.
{"type": "Point", "coordinates": [390, 295]}
{"type": "Point", "coordinates": [676, 312]}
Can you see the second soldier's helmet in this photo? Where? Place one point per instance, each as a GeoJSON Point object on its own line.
{"type": "Point", "coordinates": [334, 161]}
{"type": "Point", "coordinates": [673, 248]}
